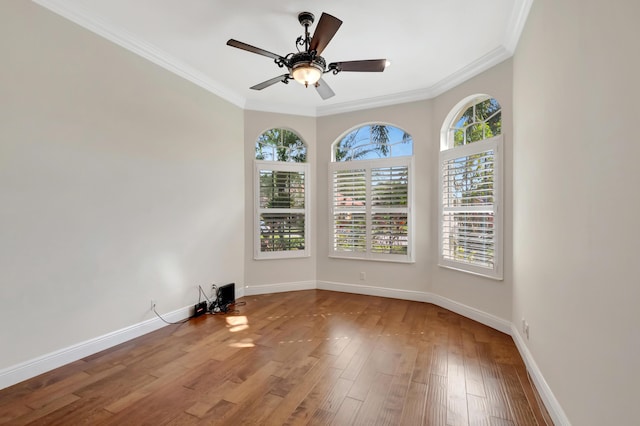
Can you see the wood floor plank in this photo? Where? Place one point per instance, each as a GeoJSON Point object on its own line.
{"type": "Point", "coordinates": [520, 409]}
{"type": "Point", "coordinates": [457, 413]}
{"type": "Point", "coordinates": [366, 377]}
{"type": "Point", "coordinates": [251, 387]}
{"type": "Point", "coordinates": [308, 357]}
{"type": "Point", "coordinates": [392, 406]}
{"type": "Point", "coordinates": [332, 401]}
{"type": "Point", "coordinates": [436, 406]}
{"type": "Point", "coordinates": [478, 411]}
{"type": "Point", "coordinates": [130, 399]}
{"type": "Point", "coordinates": [323, 390]}
{"type": "Point", "coordinates": [44, 410]}
{"type": "Point", "coordinates": [358, 360]}
{"type": "Point", "coordinates": [347, 412]}
{"type": "Point", "coordinates": [414, 404]}
{"type": "Point", "coordinates": [259, 412]}
{"type": "Point", "coordinates": [300, 391]}
{"type": "Point", "coordinates": [371, 408]}
{"type": "Point", "coordinates": [422, 366]}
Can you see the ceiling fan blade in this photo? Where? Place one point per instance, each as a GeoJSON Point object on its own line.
{"type": "Point", "coordinates": [324, 90]}
{"type": "Point", "coordinates": [270, 82]}
{"type": "Point", "coordinates": [369, 65]}
{"type": "Point", "coordinates": [252, 49]}
{"type": "Point", "coordinates": [325, 30]}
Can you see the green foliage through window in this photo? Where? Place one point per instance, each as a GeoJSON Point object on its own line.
{"type": "Point", "coordinates": [281, 194]}
{"type": "Point", "coordinates": [373, 141]}
{"type": "Point", "coordinates": [281, 145]}
{"type": "Point", "coordinates": [470, 165]}
{"type": "Point", "coordinates": [480, 121]}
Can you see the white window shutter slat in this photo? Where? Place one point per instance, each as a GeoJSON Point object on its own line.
{"type": "Point", "coordinates": [371, 209]}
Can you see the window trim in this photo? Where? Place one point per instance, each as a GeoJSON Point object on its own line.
{"type": "Point", "coordinates": [368, 165]}
{"type": "Point", "coordinates": [496, 144]}
{"type": "Point", "coordinates": [260, 165]}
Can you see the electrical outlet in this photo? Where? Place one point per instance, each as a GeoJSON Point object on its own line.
{"type": "Point", "coordinates": [153, 304]}
{"type": "Point", "coordinates": [363, 276]}
{"type": "Point", "coordinates": [526, 329]}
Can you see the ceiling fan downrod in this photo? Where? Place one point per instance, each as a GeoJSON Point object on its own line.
{"type": "Point", "coordinates": [305, 19]}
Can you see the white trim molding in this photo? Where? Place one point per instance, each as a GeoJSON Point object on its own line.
{"type": "Point", "coordinates": [31, 368]}
{"type": "Point", "coordinates": [421, 296]}
{"type": "Point", "coordinates": [548, 398]}
{"type": "Point", "coordinates": [252, 290]}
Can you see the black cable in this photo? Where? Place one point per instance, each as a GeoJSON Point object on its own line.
{"type": "Point", "coordinates": [213, 307]}
{"type": "Point", "coordinates": [226, 308]}
{"type": "Point", "coordinates": [169, 322]}
{"type": "Point", "coordinates": [202, 293]}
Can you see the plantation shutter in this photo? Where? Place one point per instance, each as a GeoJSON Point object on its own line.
{"type": "Point", "coordinates": [470, 196]}
{"type": "Point", "coordinates": [389, 209]}
{"type": "Point", "coordinates": [370, 209]}
{"type": "Point", "coordinates": [349, 210]}
{"type": "Point", "coordinates": [281, 209]}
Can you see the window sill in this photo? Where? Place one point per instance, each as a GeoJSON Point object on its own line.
{"type": "Point", "coordinates": [280, 256]}
{"type": "Point", "coordinates": [495, 277]}
{"type": "Point", "coordinates": [370, 259]}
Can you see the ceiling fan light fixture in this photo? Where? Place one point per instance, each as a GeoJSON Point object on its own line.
{"type": "Point", "coordinates": [307, 73]}
{"type": "Point", "coordinates": [307, 66]}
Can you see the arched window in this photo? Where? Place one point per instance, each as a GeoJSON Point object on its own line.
{"type": "Point", "coordinates": [371, 142]}
{"type": "Point", "coordinates": [371, 181]}
{"type": "Point", "coordinates": [470, 237]}
{"type": "Point", "coordinates": [281, 145]}
{"type": "Point", "coordinates": [281, 195]}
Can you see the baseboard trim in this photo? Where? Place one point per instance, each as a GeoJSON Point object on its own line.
{"type": "Point", "coordinates": [548, 398]}
{"type": "Point", "coordinates": [421, 296]}
{"type": "Point", "coordinates": [31, 368]}
{"type": "Point", "coordinates": [252, 290]}
{"type": "Point", "coordinates": [34, 367]}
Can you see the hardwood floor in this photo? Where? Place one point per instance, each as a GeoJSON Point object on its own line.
{"type": "Point", "coordinates": [307, 357]}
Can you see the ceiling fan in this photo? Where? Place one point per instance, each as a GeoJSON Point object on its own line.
{"type": "Point", "coordinates": [307, 66]}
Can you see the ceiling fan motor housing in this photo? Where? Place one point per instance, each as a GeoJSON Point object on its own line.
{"type": "Point", "coordinates": [307, 58]}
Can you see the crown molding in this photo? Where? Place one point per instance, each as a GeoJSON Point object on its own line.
{"type": "Point", "coordinates": [476, 67]}
{"type": "Point", "coordinates": [279, 108]}
{"type": "Point", "coordinates": [375, 102]}
{"type": "Point", "coordinates": [516, 25]}
{"type": "Point", "coordinates": [123, 38]}
{"type": "Point", "coordinates": [146, 50]}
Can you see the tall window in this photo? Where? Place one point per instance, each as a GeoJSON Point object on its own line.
{"type": "Point", "coordinates": [371, 194]}
{"type": "Point", "coordinates": [470, 237]}
{"type": "Point", "coordinates": [281, 196]}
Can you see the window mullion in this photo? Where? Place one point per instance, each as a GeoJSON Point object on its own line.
{"type": "Point", "coordinates": [368, 204]}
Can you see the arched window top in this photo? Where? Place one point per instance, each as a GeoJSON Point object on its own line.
{"type": "Point", "coordinates": [281, 145]}
{"type": "Point", "coordinates": [473, 119]}
{"type": "Point", "coordinates": [373, 141]}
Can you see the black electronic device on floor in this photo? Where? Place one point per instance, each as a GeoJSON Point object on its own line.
{"type": "Point", "coordinates": [226, 294]}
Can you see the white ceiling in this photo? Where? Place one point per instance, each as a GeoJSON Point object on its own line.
{"type": "Point", "coordinates": [433, 45]}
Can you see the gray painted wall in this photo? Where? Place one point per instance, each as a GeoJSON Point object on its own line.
{"type": "Point", "coordinates": [576, 204]}
{"type": "Point", "coordinates": [110, 172]}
